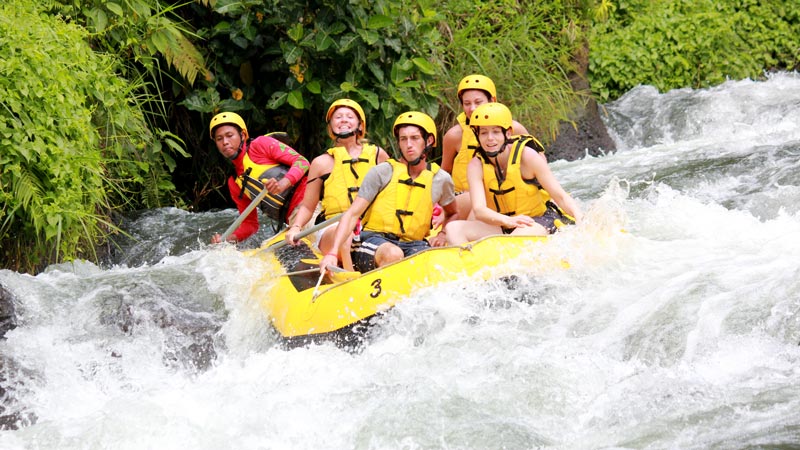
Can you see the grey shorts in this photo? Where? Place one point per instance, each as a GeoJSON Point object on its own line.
{"type": "Point", "coordinates": [363, 252]}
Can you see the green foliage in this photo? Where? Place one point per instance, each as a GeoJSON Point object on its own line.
{"type": "Point", "coordinates": [139, 29]}
{"type": "Point", "coordinates": [281, 64]}
{"type": "Point", "coordinates": [148, 37]}
{"type": "Point", "coordinates": [527, 48]}
{"type": "Point", "coordinates": [73, 144]}
{"type": "Point", "coordinates": [699, 43]}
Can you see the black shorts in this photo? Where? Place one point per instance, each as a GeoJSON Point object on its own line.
{"type": "Point", "coordinates": [548, 219]}
{"type": "Point", "coordinates": [363, 252]}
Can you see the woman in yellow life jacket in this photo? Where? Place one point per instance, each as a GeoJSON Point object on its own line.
{"type": "Point", "coordinates": [459, 143]}
{"type": "Point", "coordinates": [505, 185]}
{"type": "Point", "coordinates": [335, 176]}
{"type": "Point", "coordinates": [396, 200]}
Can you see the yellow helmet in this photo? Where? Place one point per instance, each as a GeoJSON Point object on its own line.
{"type": "Point", "coordinates": [226, 118]}
{"type": "Point", "coordinates": [491, 114]}
{"type": "Point", "coordinates": [480, 82]}
{"type": "Point", "coordinates": [346, 102]}
{"type": "Point", "coordinates": [419, 119]}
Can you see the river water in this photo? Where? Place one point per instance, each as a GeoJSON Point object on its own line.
{"type": "Point", "coordinates": [676, 325]}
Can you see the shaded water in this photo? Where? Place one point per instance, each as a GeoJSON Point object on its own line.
{"type": "Point", "coordinates": [676, 325]}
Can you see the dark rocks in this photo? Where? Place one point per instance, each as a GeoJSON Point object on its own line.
{"type": "Point", "coordinates": [14, 380]}
{"type": "Point", "coordinates": [8, 319]}
{"type": "Point", "coordinates": [587, 134]}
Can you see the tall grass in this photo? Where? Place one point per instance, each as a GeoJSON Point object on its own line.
{"type": "Point", "coordinates": [527, 48]}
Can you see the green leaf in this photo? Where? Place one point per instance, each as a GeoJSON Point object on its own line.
{"type": "Point", "coordinates": [371, 98]}
{"type": "Point", "coordinates": [295, 33]}
{"type": "Point", "coordinates": [99, 19]}
{"type": "Point", "coordinates": [410, 84]}
{"type": "Point", "coordinates": [376, 71]}
{"type": "Point", "coordinates": [370, 37]}
{"type": "Point", "coordinates": [277, 99]}
{"type": "Point", "coordinates": [337, 28]}
{"type": "Point", "coordinates": [115, 8]}
{"type": "Point", "coordinates": [379, 21]}
{"type": "Point", "coordinates": [322, 41]}
{"type": "Point", "coordinates": [222, 27]}
{"type": "Point", "coordinates": [399, 74]}
{"type": "Point", "coordinates": [347, 41]}
{"type": "Point", "coordinates": [295, 98]}
{"type": "Point", "coordinates": [425, 66]}
{"type": "Point", "coordinates": [291, 52]}
{"type": "Point", "coordinates": [230, 8]}
{"type": "Point", "coordinates": [314, 87]}
{"type": "Point", "coordinates": [160, 40]}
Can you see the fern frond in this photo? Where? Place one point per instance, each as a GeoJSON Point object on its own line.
{"type": "Point", "coordinates": [26, 186]}
{"type": "Point", "coordinates": [184, 56]}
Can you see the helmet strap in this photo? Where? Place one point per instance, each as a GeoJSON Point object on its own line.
{"type": "Point", "coordinates": [494, 154]}
{"type": "Point", "coordinates": [344, 135]}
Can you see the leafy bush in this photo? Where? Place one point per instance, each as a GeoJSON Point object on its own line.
{"type": "Point", "coordinates": [281, 64]}
{"type": "Point", "coordinates": [73, 143]}
{"type": "Point", "coordinates": [699, 43]}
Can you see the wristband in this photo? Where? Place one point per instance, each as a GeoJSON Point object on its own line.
{"type": "Point", "coordinates": [336, 255]}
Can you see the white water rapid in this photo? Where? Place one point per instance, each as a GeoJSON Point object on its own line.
{"type": "Point", "coordinates": [675, 327]}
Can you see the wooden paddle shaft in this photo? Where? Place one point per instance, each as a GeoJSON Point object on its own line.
{"type": "Point", "coordinates": [243, 215]}
{"type": "Point", "coordinates": [307, 231]}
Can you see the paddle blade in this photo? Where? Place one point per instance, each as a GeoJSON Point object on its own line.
{"type": "Point", "coordinates": [341, 277]}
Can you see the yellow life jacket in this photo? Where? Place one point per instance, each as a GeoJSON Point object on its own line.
{"type": "Point", "coordinates": [404, 207]}
{"type": "Point", "coordinates": [467, 151]}
{"type": "Point", "coordinates": [513, 196]}
{"type": "Point", "coordinates": [341, 185]}
{"type": "Point", "coordinates": [274, 206]}
{"type": "Point", "coordinates": [526, 140]}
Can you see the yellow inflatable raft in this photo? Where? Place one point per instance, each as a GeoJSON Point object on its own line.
{"type": "Point", "coordinates": [302, 308]}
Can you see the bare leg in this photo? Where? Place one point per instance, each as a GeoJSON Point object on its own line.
{"type": "Point", "coordinates": [462, 231]}
{"type": "Point", "coordinates": [533, 230]}
{"type": "Point", "coordinates": [387, 253]}
{"type": "Point", "coordinates": [463, 205]}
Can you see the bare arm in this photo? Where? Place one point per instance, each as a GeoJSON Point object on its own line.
{"type": "Point", "coordinates": [449, 213]}
{"type": "Point", "coordinates": [343, 230]}
{"type": "Point", "coordinates": [320, 166]}
{"type": "Point", "coordinates": [534, 166]}
{"type": "Point", "coordinates": [518, 128]}
{"type": "Point", "coordinates": [382, 155]}
{"type": "Point", "coordinates": [451, 143]}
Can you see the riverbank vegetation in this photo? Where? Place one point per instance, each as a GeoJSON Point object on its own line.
{"type": "Point", "coordinates": [106, 104]}
{"type": "Point", "coordinates": [699, 43]}
{"type": "Point", "coordinates": [75, 144]}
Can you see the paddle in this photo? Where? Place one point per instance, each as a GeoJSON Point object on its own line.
{"type": "Point", "coordinates": [306, 232]}
{"type": "Point", "coordinates": [243, 215]}
{"type": "Point", "coordinates": [336, 269]}
{"type": "Point", "coordinates": [345, 276]}
{"type": "Point", "coordinates": [338, 275]}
